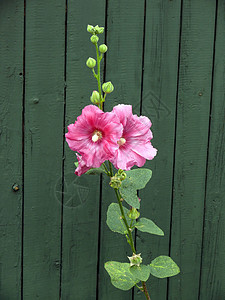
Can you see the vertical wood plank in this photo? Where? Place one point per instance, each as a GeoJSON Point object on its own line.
{"type": "Point", "coordinates": [191, 144]}
{"type": "Point", "coordinates": [124, 69]}
{"type": "Point", "coordinates": [212, 273]}
{"type": "Point", "coordinates": [11, 82]}
{"type": "Point", "coordinates": [81, 194]}
{"type": "Point", "coordinates": [159, 104]}
{"type": "Point", "coordinates": [43, 146]}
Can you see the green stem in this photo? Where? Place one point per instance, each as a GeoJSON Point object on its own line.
{"type": "Point", "coordinates": [125, 221]}
{"type": "Point", "coordinates": [140, 288]}
{"type": "Point", "coordinates": [98, 75]}
{"type": "Point", "coordinates": [111, 170]}
{"type": "Point", "coordinates": [122, 212]}
{"type": "Point", "coordinates": [145, 290]}
{"type": "Point", "coordinates": [106, 169]}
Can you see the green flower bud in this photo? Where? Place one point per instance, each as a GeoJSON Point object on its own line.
{"type": "Point", "coordinates": [135, 260]}
{"type": "Point", "coordinates": [115, 182]}
{"type": "Point", "coordinates": [91, 62]}
{"type": "Point", "coordinates": [121, 174]}
{"type": "Point", "coordinates": [133, 214]}
{"type": "Point", "coordinates": [94, 39]}
{"type": "Point", "coordinates": [107, 87]}
{"type": "Point", "coordinates": [95, 98]}
{"type": "Point", "coordinates": [90, 29]}
{"type": "Point", "coordinates": [103, 48]}
{"type": "Point", "coordinates": [98, 29]}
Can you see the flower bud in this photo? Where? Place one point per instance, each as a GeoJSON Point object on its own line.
{"type": "Point", "coordinates": [107, 87]}
{"type": "Point", "coordinates": [91, 62]}
{"type": "Point", "coordinates": [90, 29]}
{"type": "Point", "coordinates": [95, 98]}
{"type": "Point", "coordinates": [121, 174]}
{"type": "Point", "coordinates": [103, 48]}
{"type": "Point", "coordinates": [94, 39]}
{"type": "Point", "coordinates": [135, 260]}
{"type": "Point", "coordinates": [115, 182]}
{"type": "Point", "coordinates": [133, 214]}
{"type": "Point", "coordinates": [98, 29]}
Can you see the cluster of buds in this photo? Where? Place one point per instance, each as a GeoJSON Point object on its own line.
{"type": "Point", "coordinates": [135, 260]}
{"type": "Point", "coordinates": [95, 29]}
{"type": "Point", "coordinates": [116, 180]}
{"type": "Point", "coordinates": [107, 87]}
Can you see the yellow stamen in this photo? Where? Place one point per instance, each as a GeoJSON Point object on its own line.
{"type": "Point", "coordinates": [97, 135]}
{"type": "Point", "coordinates": [121, 141]}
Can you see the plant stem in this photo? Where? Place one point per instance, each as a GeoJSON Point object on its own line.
{"type": "Point", "coordinates": [106, 169]}
{"type": "Point", "coordinates": [125, 221]}
{"type": "Point", "coordinates": [98, 75]}
{"type": "Point", "coordinates": [145, 290]}
{"type": "Point", "coordinates": [111, 170]}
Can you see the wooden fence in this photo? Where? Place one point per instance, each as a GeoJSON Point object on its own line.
{"type": "Point", "coordinates": [166, 58]}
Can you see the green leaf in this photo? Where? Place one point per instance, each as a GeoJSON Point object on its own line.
{"type": "Point", "coordinates": [120, 274]}
{"type": "Point", "coordinates": [146, 225]}
{"type": "Point", "coordinates": [141, 273]}
{"type": "Point", "coordinates": [164, 266]}
{"type": "Point", "coordinates": [114, 220]}
{"type": "Point", "coordinates": [135, 180]}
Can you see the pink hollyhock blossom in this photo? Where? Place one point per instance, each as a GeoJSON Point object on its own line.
{"type": "Point", "coordinates": [94, 135]}
{"type": "Point", "coordinates": [134, 144]}
{"type": "Point", "coordinates": [82, 168]}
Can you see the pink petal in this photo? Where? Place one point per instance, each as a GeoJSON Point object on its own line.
{"type": "Point", "coordinates": [82, 168]}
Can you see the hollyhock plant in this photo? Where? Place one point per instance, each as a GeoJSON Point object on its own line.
{"type": "Point", "coordinates": [120, 139]}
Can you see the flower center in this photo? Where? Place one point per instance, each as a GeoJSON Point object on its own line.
{"type": "Point", "coordinates": [121, 141]}
{"type": "Point", "coordinates": [97, 135]}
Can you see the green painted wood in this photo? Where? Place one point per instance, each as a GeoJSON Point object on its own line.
{"type": "Point", "coordinates": [11, 99]}
{"type": "Point", "coordinates": [81, 194]}
{"type": "Point", "coordinates": [191, 145]}
{"type": "Point", "coordinates": [124, 68]}
{"type": "Point", "coordinates": [212, 273]}
{"type": "Point", "coordinates": [44, 93]}
{"type": "Point", "coordinates": [159, 104]}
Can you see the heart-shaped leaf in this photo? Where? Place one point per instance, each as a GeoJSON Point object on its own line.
{"type": "Point", "coordinates": [135, 180]}
{"type": "Point", "coordinates": [114, 218]}
{"type": "Point", "coordinates": [120, 274]}
{"type": "Point", "coordinates": [146, 225]}
{"type": "Point", "coordinates": [163, 266]}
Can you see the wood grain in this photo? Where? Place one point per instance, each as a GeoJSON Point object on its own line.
{"type": "Point", "coordinates": [81, 194]}
{"type": "Point", "coordinates": [11, 100]}
{"type": "Point", "coordinates": [192, 127]}
{"type": "Point", "coordinates": [212, 270]}
{"type": "Point", "coordinates": [177, 80]}
{"type": "Point", "coordinates": [44, 100]}
{"type": "Point", "coordinates": [159, 104]}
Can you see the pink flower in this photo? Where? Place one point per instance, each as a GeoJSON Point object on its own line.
{"type": "Point", "coordinates": [94, 135]}
{"type": "Point", "coordinates": [134, 144]}
{"type": "Point", "coordinates": [82, 168]}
